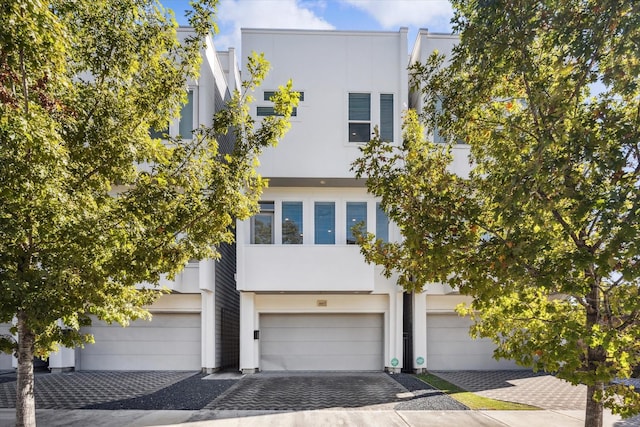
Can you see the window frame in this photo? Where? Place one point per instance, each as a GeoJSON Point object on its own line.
{"type": "Point", "coordinates": [283, 220]}
{"type": "Point", "coordinates": [356, 120]}
{"type": "Point", "coordinates": [268, 211]}
{"type": "Point", "coordinates": [316, 229]}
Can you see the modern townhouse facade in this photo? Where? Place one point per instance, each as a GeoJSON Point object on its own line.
{"type": "Point", "coordinates": [294, 292]}
{"type": "Point", "coordinates": [308, 300]}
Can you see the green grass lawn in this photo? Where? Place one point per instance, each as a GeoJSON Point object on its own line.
{"type": "Point", "coordinates": [471, 400]}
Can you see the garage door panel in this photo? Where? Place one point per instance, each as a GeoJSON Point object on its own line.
{"type": "Point", "coordinates": [450, 347]}
{"type": "Point", "coordinates": [330, 334]}
{"type": "Point", "coordinates": [328, 320]}
{"type": "Point", "coordinates": [321, 341]}
{"type": "Point", "coordinates": [146, 363]}
{"type": "Point", "coordinates": [117, 333]}
{"type": "Point", "coordinates": [140, 349]}
{"type": "Point", "coordinates": [312, 363]}
{"type": "Point", "coordinates": [312, 347]}
{"type": "Point", "coordinates": [168, 342]}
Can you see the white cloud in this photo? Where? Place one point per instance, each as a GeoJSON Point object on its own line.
{"type": "Point", "coordinates": [236, 14]}
{"type": "Point", "coordinates": [432, 14]}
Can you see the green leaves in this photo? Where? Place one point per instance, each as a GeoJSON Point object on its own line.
{"type": "Point", "coordinates": [90, 204]}
{"type": "Point", "coordinates": [543, 232]}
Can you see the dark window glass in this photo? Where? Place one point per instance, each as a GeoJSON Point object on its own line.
{"type": "Point", "coordinates": [292, 223]}
{"type": "Point", "coordinates": [325, 219]}
{"type": "Point", "coordinates": [185, 128]}
{"type": "Point", "coordinates": [356, 217]}
{"type": "Point", "coordinates": [159, 134]}
{"type": "Point", "coordinates": [262, 225]}
{"type": "Point", "coordinates": [360, 106]}
{"type": "Point", "coordinates": [270, 111]}
{"type": "Point", "coordinates": [269, 93]}
{"type": "Point", "coordinates": [382, 224]}
{"type": "Point", "coordinates": [359, 132]}
{"type": "Point", "coordinates": [386, 117]}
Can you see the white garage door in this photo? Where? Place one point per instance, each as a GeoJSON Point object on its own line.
{"type": "Point", "coordinates": [321, 342]}
{"type": "Point", "coordinates": [168, 342]}
{"type": "Point", "coordinates": [449, 346]}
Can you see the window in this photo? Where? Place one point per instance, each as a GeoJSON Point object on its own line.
{"type": "Point", "coordinates": [269, 93]}
{"type": "Point", "coordinates": [185, 128]}
{"type": "Point", "coordinates": [356, 217]}
{"type": "Point", "coordinates": [382, 224]}
{"type": "Point", "coordinates": [437, 138]}
{"type": "Point", "coordinates": [386, 117]}
{"type": "Point", "coordinates": [325, 219]}
{"type": "Point", "coordinates": [291, 223]}
{"type": "Point", "coordinates": [159, 134]}
{"type": "Point", "coordinates": [262, 224]}
{"type": "Point", "coordinates": [270, 111]}
{"type": "Point", "coordinates": [359, 117]}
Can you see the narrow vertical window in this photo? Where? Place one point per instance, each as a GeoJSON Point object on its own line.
{"type": "Point", "coordinates": [359, 117]}
{"type": "Point", "coordinates": [291, 223]}
{"type": "Point", "coordinates": [262, 225]}
{"type": "Point", "coordinates": [325, 220]}
{"type": "Point", "coordinates": [356, 219]}
{"type": "Point", "coordinates": [185, 128]}
{"type": "Point", "coordinates": [386, 117]}
{"type": "Point", "coordinates": [437, 138]}
{"type": "Point", "coordinates": [382, 224]}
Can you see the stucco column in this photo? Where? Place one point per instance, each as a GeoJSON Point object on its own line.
{"type": "Point", "coordinates": [247, 326]}
{"type": "Point", "coordinates": [420, 332]}
{"type": "Point", "coordinates": [208, 331]}
{"type": "Point", "coordinates": [394, 362]}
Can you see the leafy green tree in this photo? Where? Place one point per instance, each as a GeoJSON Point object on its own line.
{"type": "Point", "coordinates": [544, 232]}
{"type": "Point", "coordinates": [81, 223]}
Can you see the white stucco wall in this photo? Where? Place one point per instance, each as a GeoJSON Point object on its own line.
{"type": "Point", "coordinates": [326, 66]}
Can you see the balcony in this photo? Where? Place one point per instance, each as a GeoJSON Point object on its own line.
{"type": "Point", "coordinates": [303, 268]}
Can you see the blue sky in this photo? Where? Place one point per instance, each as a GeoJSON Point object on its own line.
{"type": "Point", "coordinates": [388, 15]}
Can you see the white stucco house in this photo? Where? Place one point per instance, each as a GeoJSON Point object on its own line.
{"type": "Point", "coordinates": [308, 300]}
{"type": "Point", "coordinates": [295, 293]}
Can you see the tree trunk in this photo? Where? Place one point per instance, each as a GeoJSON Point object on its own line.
{"type": "Point", "coordinates": [596, 356]}
{"type": "Point", "coordinates": [593, 414]}
{"type": "Point", "coordinates": [25, 398]}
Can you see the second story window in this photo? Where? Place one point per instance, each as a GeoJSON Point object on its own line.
{"type": "Point", "coordinates": [262, 225]}
{"type": "Point", "coordinates": [356, 218]}
{"type": "Point", "coordinates": [325, 223]}
{"type": "Point", "coordinates": [386, 117]}
{"type": "Point", "coordinates": [359, 117]}
{"type": "Point", "coordinates": [382, 224]}
{"type": "Point", "coordinates": [270, 111]}
{"type": "Point", "coordinates": [185, 127]}
{"type": "Point", "coordinates": [291, 223]}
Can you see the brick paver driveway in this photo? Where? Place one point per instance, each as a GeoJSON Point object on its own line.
{"type": "Point", "coordinates": [308, 391]}
{"type": "Point", "coordinates": [541, 390]}
{"type": "Point", "coordinates": [80, 389]}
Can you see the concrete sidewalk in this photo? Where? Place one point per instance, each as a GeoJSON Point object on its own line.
{"type": "Point", "coordinates": [327, 417]}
